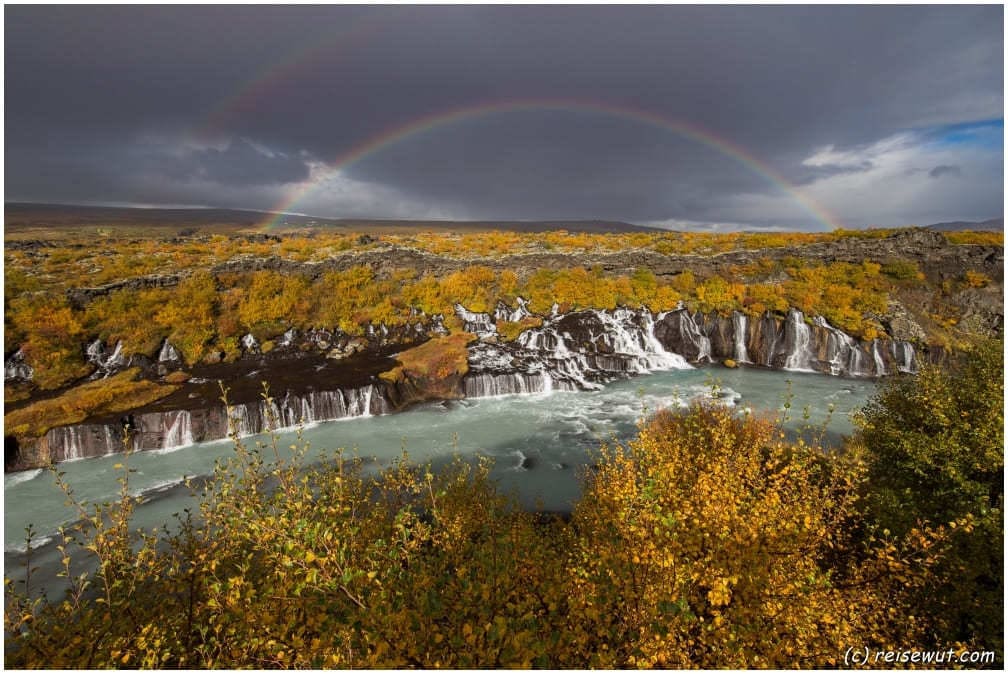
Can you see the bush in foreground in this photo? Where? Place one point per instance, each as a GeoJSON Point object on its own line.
{"type": "Point", "coordinates": [934, 449]}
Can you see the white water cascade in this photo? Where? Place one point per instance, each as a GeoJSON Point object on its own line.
{"type": "Point", "coordinates": [570, 352]}
{"type": "Point", "coordinates": [905, 357]}
{"type": "Point", "coordinates": [798, 338]}
{"type": "Point", "coordinates": [740, 330]}
{"type": "Point", "coordinates": [880, 369]}
{"type": "Point", "coordinates": [481, 325]}
{"type": "Point", "coordinates": [179, 432]}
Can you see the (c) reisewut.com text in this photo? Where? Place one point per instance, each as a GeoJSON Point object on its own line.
{"type": "Point", "coordinates": [872, 658]}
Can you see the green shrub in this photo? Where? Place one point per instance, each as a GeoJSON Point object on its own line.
{"type": "Point", "coordinates": [934, 447]}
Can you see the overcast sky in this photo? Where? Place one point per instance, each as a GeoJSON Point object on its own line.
{"type": "Point", "coordinates": [692, 117]}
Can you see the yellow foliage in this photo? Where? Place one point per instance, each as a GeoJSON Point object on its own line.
{"type": "Point", "coordinates": [118, 393]}
{"type": "Point", "coordinates": [433, 360]}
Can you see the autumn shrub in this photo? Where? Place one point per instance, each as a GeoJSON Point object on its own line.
{"type": "Point", "coordinates": [934, 447]}
{"type": "Point", "coordinates": [283, 567]}
{"type": "Point", "coordinates": [509, 330]}
{"type": "Point", "coordinates": [902, 270]}
{"type": "Point", "coordinates": [115, 394]}
{"type": "Point", "coordinates": [713, 543]}
{"type": "Point", "coordinates": [436, 359]}
{"type": "Point", "coordinates": [981, 238]}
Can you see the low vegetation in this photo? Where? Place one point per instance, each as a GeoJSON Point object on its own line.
{"type": "Point", "coordinates": [119, 393]}
{"type": "Point", "coordinates": [433, 362]}
{"type": "Point", "coordinates": [708, 541]}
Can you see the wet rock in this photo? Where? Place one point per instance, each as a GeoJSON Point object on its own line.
{"type": "Point", "coordinates": [250, 345]}
{"type": "Point", "coordinates": [16, 369]}
{"type": "Point", "coordinates": [678, 332]}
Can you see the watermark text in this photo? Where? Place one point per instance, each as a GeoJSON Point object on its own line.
{"type": "Point", "coordinates": [866, 657]}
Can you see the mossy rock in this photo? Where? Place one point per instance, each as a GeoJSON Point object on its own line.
{"type": "Point", "coordinates": [728, 362]}
{"type": "Point", "coordinates": [177, 377]}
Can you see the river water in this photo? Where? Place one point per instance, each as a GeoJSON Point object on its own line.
{"type": "Point", "coordinates": [540, 444]}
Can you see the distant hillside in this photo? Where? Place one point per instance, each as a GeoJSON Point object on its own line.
{"type": "Point", "coordinates": [994, 224]}
{"type": "Point", "coordinates": [24, 218]}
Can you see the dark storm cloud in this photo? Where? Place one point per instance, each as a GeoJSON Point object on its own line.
{"type": "Point", "coordinates": [190, 104]}
{"type": "Point", "coordinates": [939, 171]}
{"type": "Point", "coordinates": [239, 163]}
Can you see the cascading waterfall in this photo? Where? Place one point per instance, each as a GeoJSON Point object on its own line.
{"type": "Point", "coordinates": [71, 442]}
{"type": "Point", "coordinates": [580, 350]}
{"type": "Point", "coordinates": [768, 328]}
{"type": "Point", "coordinates": [16, 368]}
{"type": "Point", "coordinates": [168, 353]}
{"type": "Point", "coordinates": [239, 420]}
{"type": "Point", "coordinates": [740, 330]}
{"type": "Point", "coordinates": [798, 337]}
{"type": "Point", "coordinates": [905, 357]}
{"type": "Point", "coordinates": [249, 342]}
{"type": "Point", "coordinates": [481, 325]}
{"type": "Point", "coordinates": [880, 369]}
{"type": "Point", "coordinates": [846, 356]}
{"type": "Point", "coordinates": [699, 339]}
{"type": "Point", "coordinates": [570, 352]}
{"type": "Point", "coordinates": [505, 313]}
{"type": "Point", "coordinates": [486, 385]}
{"type": "Point", "coordinates": [179, 433]}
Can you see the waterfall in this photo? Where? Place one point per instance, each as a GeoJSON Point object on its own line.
{"type": "Point", "coordinates": [880, 369]}
{"type": "Point", "coordinates": [168, 353]}
{"type": "Point", "coordinates": [69, 442]}
{"type": "Point", "coordinates": [116, 360]}
{"type": "Point", "coordinates": [16, 368]}
{"type": "Point", "coordinates": [696, 337]}
{"type": "Point", "coordinates": [905, 357]}
{"type": "Point", "coordinates": [798, 337]}
{"type": "Point", "coordinates": [239, 420]}
{"type": "Point", "coordinates": [488, 385]}
{"type": "Point", "coordinates": [287, 339]}
{"type": "Point", "coordinates": [250, 343]}
{"type": "Point", "coordinates": [740, 331]}
{"type": "Point", "coordinates": [505, 313]}
{"type": "Point", "coordinates": [768, 330]}
{"type": "Point", "coordinates": [94, 352]}
{"type": "Point", "coordinates": [179, 433]}
{"type": "Point", "coordinates": [571, 352]}
{"type": "Point", "coordinates": [479, 324]}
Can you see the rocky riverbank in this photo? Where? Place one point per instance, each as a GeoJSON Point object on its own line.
{"type": "Point", "coordinates": [325, 375]}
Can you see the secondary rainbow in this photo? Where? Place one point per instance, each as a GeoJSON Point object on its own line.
{"type": "Point", "coordinates": [441, 120]}
{"type": "Point", "coordinates": [331, 45]}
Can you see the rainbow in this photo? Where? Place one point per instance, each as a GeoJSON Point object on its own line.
{"type": "Point", "coordinates": [440, 120]}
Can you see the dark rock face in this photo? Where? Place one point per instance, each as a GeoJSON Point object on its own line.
{"type": "Point", "coordinates": [678, 332]}
{"type": "Point", "coordinates": [794, 343]}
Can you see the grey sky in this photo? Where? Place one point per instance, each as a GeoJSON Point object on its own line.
{"type": "Point", "coordinates": [870, 115]}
